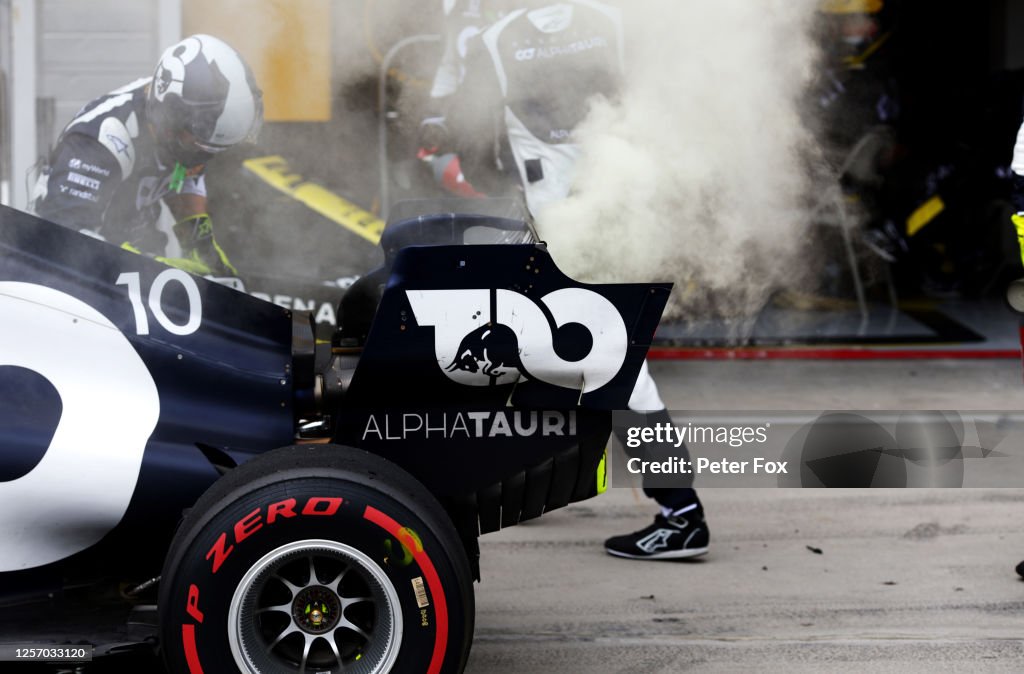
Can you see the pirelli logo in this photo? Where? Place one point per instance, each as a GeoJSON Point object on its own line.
{"type": "Point", "coordinates": [84, 181]}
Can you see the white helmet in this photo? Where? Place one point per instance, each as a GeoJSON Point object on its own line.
{"type": "Point", "coordinates": [203, 100]}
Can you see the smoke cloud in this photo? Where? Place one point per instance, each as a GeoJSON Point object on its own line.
{"type": "Point", "coordinates": [699, 174]}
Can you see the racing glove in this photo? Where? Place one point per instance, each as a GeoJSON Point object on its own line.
{"type": "Point", "coordinates": [201, 254]}
{"type": "Point", "coordinates": [198, 268]}
{"type": "Point", "coordinates": [182, 263]}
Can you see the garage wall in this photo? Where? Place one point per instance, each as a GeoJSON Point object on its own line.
{"type": "Point", "coordinates": [1013, 29]}
{"type": "Point", "coordinates": [88, 48]}
{"type": "Point", "coordinates": [5, 110]}
{"type": "Point", "coordinates": [286, 42]}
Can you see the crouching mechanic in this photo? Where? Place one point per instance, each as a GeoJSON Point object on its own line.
{"type": "Point", "coordinates": [149, 142]}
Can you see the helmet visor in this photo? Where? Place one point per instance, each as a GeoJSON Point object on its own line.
{"type": "Point", "coordinates": [187, 128]}
{"type": "Point", "coordinates": [202, 120]}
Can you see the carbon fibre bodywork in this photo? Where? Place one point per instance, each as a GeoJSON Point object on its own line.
{"type": "Point", "coordinates": [70, 324]}
{"type": "Point", "coordinates": [491, 376]}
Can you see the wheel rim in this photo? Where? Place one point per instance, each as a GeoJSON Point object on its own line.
{"type": "Point", "coordinates": [315, 606]}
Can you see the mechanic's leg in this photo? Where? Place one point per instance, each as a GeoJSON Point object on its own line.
{"type": "Point", "coordinates": [678, 530]}
{"type": "Point", "coordinates": [645, 398]}
{"type": "Point", "coordinates": [674, 501]}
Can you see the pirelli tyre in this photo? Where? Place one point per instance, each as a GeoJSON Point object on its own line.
{"type": "Point", "coordinates": [316, 559]}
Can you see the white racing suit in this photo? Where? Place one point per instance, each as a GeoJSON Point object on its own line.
{"type": "Point", "coordinates": [529, 80]}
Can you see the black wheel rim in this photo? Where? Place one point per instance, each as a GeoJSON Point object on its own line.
{"type": "Point", "coordinates": [315, 606]}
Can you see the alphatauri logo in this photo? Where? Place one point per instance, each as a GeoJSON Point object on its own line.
{"type": "Point", "coordinates": [572, 338]}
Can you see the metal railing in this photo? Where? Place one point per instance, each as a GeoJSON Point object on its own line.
{"type": "Point", "coordinates": [382, 121]}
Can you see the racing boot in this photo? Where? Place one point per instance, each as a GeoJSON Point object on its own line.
{"type": "Point", "coordinates": [679, 531]}
{"type": "Point", "coordinates": [671, 536]}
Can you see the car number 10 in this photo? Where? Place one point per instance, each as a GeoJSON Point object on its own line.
{"type": "Point", "coordinates": [156, 291]}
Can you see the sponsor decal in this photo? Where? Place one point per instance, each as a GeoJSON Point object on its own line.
{"type": "Point", "coordinates": [315, 506]}
{"type": "Point", "coordinates": [87, 196]}
{"type": "Point", "coordinates": [468, 425]}
{"type": "Point", "coordinates": [79, 179]}
{"type": "Point", "coordinates": [324, 312]}
{"type": "Point", "coordinates": [118, 143]}
{"type": "Point", "coordinates": [656, 540]}
{"type": "Point", "coordinates": [530, 53]}
{"type": "Point", "coordinates": [489, 337]}
{"type": "Point", "coordinates": [116, 136]}
{"type": "Point", "coordinates": [572, 48]}
{"type": "Point", "coordinates": [192, 603]}
{"type": "Point", "coordinates": [79, 165]}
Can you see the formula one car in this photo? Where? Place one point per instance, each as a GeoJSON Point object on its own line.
{"type": "Point", "coordinates": [304, 507]}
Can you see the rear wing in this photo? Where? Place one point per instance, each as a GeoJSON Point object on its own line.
{"type": "Point", "coordinates": [491, 376]}
{"type": "Point", "coordinates": [494, 324]}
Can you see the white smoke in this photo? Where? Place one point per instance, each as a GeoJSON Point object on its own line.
{"type": "Point", "coordinates": [699, 174]}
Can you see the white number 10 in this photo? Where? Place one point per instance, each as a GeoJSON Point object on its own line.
{"type": "Point", "coordinates": [156, 291]}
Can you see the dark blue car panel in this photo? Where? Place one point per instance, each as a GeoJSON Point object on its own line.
{"type": "Point", "coordinates": [122, 365]}
{"type": "Point", "coordinates": [488, 374]}
{"type": "Point", "coordinates": [474, 370]}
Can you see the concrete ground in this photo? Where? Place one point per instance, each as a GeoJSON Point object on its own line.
{"type": "Point", "coordinates": [916, 580]}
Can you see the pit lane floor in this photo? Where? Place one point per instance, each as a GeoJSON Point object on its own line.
{"type": "Point", "coordinates": [916, 580]}
{"type": "Point", "coordinates": [907, 580]}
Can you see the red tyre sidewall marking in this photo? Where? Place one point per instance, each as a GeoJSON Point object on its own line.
{"type": "Point", "coordinates": [244, 528]}
{"type": "Point", "coordinates": [433, 582]}
{"type": "Point", "coordinates": [188, 639]}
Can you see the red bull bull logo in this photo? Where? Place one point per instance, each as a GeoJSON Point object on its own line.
{"type": "Point", "coordinates": [572, 338]}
